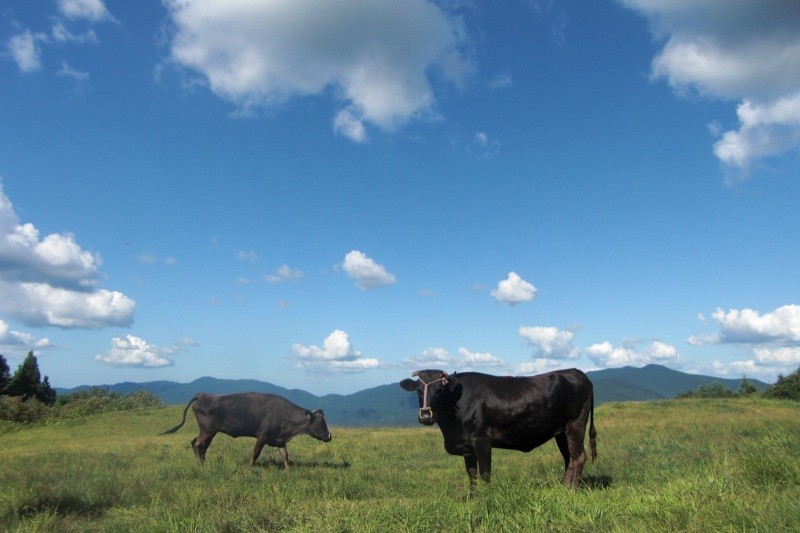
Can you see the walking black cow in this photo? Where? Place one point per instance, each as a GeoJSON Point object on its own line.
{"type": "Point", "coordinates": [271, 419]}
{"type": "Point", "coordinates": [477, 412]}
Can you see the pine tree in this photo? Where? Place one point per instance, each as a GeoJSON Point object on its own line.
{"type": "Point", "coordinates": [5, 374]}
{"type": "Point", "coordinates": [26, 381]}
{"type": "Point", "coordinates": [46, 393]}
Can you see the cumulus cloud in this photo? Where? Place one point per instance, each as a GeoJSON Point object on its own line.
{"type": "Point", "coordinates": [606, 355]}
{"type": "Point", "coordinates": [466, 361]}
{"type": "Point", "coordinates": [738, 50]}
{"type": "Point", "coordinates": [514, 290]}
{"type": "Point", "coordinates": [477, 360]}
{"type": "Point", "coordinates": [132, 351]}
{"type": "Point", "coordinates": [17, 343]}
{"type": "Point", "coordinates": [537, 366]}
{"type": "Point", "coordinates": [430, 358]}
{"type": "Point", "coordinates": [52, 281]}
{"type": "Point", "coordinates": [550, 342]}
{"type": "Point", "coordinates": [772, 339]}
{"type": "Point", "coordinates": [367, 273]}
{"type": "Point", "coordinates": [749, 326]}
{"type": "Point", "coordinates": [335, 355]}
{"type": "Point", "coordinates": [373, 56]}
{"type": "Point", "coordinates": [284, 273]}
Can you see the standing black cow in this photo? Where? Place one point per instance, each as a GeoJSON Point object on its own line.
{"type": "Point", "coordinates": [477, 412]}
{"type": "Point", "coordinates": [269, 418]}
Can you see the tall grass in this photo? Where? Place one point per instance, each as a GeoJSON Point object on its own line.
{"type": "Point", "coordinates": [690, 465]}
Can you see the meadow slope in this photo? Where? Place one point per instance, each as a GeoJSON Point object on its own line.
{"type": "Point", "coordinates": [678, 465]}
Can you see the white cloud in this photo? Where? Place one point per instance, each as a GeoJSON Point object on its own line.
{"type": "Point", "coordinates": [749, 326]}
{"type": "Point", "coordinates": [772, 340]}
{"type": "Point", "coordinates": [19, 342]}
{"type": "Point", "coordinates": [502, 80]}
{"type": "Point", "coordinates": [131, 351]}
{"type": "Point", "coordinates": [348, 124]}
{"type": "Point", "coordinates": [606, 355]}
{"type": "Point", "coordinates": [25, 50]}
{"type": "Point", "coordinates": [52, 281]}
{"type": "Point", "coordinates": [61, 34]}
{"type": "Point", "coordinates": [70, 72]}
{"type": "Point", "coordinates": [430, 358]}
{"type": "Point", "coordinates": [284, 273]}
{"type": "Point", "coordinates": [514, 290]}
{"type": "Point", "coordinates": [550, 342]}
{"type": "Point", "coordinates": [367, 273]}
{"type": "Point", "coordinates": [246, 255]}
{"type": "Point", "coordinates": [478, 360]}
{"type": "Point", "coordinates": [738, 50]}
{"type": "Point", "coordinates": [91, 10]}
{"type": "Point", "coordinates": [374, 56]}
{"type": "Point", "coordinates": [537, 366]}
{"type": "Point", "coordinates": [765, 130]}
{"type": "Point", "coordinates": [335, 355]}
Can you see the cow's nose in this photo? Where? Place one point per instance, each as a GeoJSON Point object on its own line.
{"type": "Point", "coordinates": [426, 416]}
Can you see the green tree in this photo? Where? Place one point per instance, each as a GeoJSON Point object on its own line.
{"type": "Point", "coordinates": [5, 373]}
{"type": "Point", "coordinates": [27, 382]}
{"type": "Point", "coordinates": [746, 388]}
{"type": "Point", "coordinates": [787, 387]}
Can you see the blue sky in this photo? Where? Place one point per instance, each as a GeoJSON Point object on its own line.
{"type": "Point", "coordinates": [330, 196]}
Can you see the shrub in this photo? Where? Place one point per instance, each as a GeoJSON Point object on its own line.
{"type": "Point", "coordinates": [101, 400]}
{"type": "Point", "coordinates": [787, 387]}
{"type": "Point", "coordinates": [706, 390]}
{"type": "Point", "coordinates": [15, 409]}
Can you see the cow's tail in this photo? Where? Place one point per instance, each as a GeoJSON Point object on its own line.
{"type": "Point", "coordinates": [176, 428]}
{"type": "Point", "coordinates": [592, 432]}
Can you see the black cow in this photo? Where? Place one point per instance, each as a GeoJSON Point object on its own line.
{"type": "Point", "coordinates": [269, 418]}
{"type": "Point", "coordinates": [478, 412]}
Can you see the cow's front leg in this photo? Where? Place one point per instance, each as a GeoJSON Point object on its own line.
{"type": "Point", "coordinates": [284, 456]}
{"type": "Point", "coordinates": [483, 453]}
{"type": "Point", "coordinates": [471, 464]}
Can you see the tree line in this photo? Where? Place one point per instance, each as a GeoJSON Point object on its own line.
{"type": "Point", "coordinates": [26, 382]}
{"type": "Point", "coordinates": [786, 388]}
{"type": "Point", "coordinates": [26, 396]}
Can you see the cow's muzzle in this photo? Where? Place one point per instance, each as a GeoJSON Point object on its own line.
{"type": "Point", "coordinates": [426, 416]}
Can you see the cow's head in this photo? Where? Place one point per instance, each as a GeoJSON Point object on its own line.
{"type": "Point", "coordinates": [430, 388]}
{"type": "Point", "coordinates": [317, 427]}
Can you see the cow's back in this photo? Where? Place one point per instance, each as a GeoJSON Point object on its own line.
{"type": "Point", "coordinates": [244, 414]}
{"type": "Point", "coordinates": [521, 413]}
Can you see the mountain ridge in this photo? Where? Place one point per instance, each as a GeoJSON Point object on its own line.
{"type": "Point", "coordinates": [389, 405]}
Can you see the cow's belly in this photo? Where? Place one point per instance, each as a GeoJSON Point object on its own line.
{"type": "Point", "coordinates": [524, 441]}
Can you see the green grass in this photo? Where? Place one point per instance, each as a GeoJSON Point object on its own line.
{"type": "Point", "coordinates": [690, 465]}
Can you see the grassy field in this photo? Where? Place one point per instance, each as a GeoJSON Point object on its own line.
{"type": "Point", "coordinates": [689, 465]}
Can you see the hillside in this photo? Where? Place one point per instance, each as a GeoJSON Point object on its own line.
{"type": "Point", "coordinates": [389, 405]}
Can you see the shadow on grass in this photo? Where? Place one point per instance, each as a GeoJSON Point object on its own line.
{"type": "Point", "coordinates": [64, 506]}
{"type": "Point", "coordinates": [276, 463]}
{"type": "Point", "coordinates": [596, 482]}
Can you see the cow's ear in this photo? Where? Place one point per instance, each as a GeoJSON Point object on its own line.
{"type": "Point", "coordinates": [409, 384]}
{"type": "Point", "coordinates": [309, 415]}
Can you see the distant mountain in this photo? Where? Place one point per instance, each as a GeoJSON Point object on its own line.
{"type": "Point", "coordinates": [389, 405]}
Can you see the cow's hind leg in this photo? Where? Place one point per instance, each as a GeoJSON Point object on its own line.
{"type": "Point", "coordinates": [257, 450]}
{"type": "Point", "coordinates": [200, 444]}
{"type": "Point", "coordinates": [284, 456]}
{"type": "Point", "coordinates": [575, 432]}
{"type": "Point", "coordinates": [563, 447]}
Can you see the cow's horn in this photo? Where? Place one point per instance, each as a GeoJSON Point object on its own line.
{"type": "Point", "coordinates": [415, 373]}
